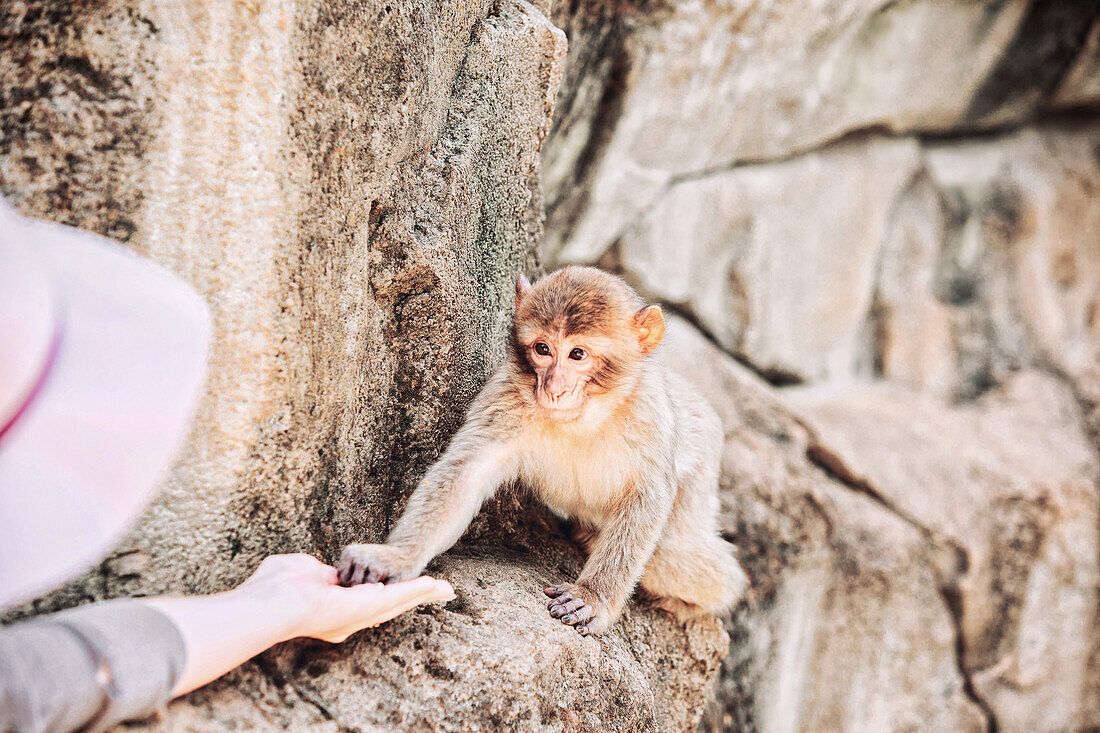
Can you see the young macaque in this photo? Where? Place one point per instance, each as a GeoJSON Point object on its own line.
{"type": "Point", "coordinates": [602, 432]}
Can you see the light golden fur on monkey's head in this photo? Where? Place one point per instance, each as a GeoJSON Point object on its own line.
{"type": "Point", "coordinates": [580, 301]}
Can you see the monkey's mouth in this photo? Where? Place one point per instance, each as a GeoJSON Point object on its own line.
{"type": "Point", "coordinates": [562, 415]}
{"type": "Point", "coordinates": [566, 407]}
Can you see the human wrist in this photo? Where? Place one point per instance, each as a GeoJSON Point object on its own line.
{"type": "Point", "coordinates": [221, 630]}
{"type": "Point", "coordinates": [284, 607]}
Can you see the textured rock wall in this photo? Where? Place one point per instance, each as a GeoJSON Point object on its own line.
{"type": "Point", "coordinates": [876, 221]}
{"type": "Point", "coordinates": [353, 187]}
{"type": "Point", "coordinates": [353, 207]}
{"type": "Point", "coordinates": [879, 222]}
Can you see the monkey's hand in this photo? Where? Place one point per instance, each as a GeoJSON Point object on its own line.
{"type": "Point", "coordinates": [579, 607]}
{"type": "Point", "coordinates": [374, 564]}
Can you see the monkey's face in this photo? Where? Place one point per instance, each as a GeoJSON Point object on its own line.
{"type": "Point", "coordinates": [564, 367]}
{"type": "Point", "coordinates": [583, 336]}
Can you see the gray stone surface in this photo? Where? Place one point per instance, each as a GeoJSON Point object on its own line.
{"type": "Point", "coordinates": [846, 626]}
{"type": "Point", "coordinates": [353, 187]}
{"type": "Point", "coordinates": [778, 261]}
{"type": "Point", "coordinates": [893, 204]}
{"type": "Point", "coordinates": [1009, 483]}
{"type": "Point", "coordinates": [696, 87]}
{"type": "Point", "coordinates": [493, 659]}
{"type": "Point", "coordinates": [355, 235]}
{"type": "Point", "coordinates": [915, 564]}
{"type": "Point", "coordinates": [943, 264]}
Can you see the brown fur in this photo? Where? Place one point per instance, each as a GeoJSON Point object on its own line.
{"type": "Point", "coordinates": [612, 440]}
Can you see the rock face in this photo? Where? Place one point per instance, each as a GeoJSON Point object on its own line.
{"type": "Point", "coordinates": [698, 87]}
{"type": "Point", "coordinates": [905, 229]}
{"type": "Point", "coordinates": [731, 250]}
{"type": "Point", "coordinates": [1006, 482]}
{"type": "Point", "coordinates": [944, 265]}
{"type": "Point", "coordinates": [493, 659]}
{"type": "Point", "coordinates": [356, 239]}
{"type": "Point", "coordinates": [845, 626]}
{"type": "Point", "coordinates": [353, 187]}
{"type": "Point", "coordinates": [876, 223]}
{"type": "Point", "coordinates": [915, 564]}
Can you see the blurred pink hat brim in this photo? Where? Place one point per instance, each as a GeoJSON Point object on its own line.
{"type": "Point", "coordinates": [102, 355]}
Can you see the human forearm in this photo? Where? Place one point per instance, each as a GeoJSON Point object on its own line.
{"type": "Point", "coordinates": [223, 630]}
{"type": "Point", "coordinates": [106, 662]}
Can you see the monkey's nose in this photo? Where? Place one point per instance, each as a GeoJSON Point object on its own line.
{"type": "Point", "coordinates": [556, 392]}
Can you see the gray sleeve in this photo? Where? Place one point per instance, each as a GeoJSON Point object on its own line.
{"type": "Point", "coordinates": [53, 669]}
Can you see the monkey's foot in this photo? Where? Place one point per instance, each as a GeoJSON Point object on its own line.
{"type": "Point", "coordinates": [577, 607]}
{"type": "Point", "coordinates": [373, 564]}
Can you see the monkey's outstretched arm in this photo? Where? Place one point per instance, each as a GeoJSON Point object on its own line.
{"type": "Point", "coordinates": [619, 555]}
{"type": "Point", "coordinates": [449, 496]}
{"type": "Point", "coordinates": [475, 464]}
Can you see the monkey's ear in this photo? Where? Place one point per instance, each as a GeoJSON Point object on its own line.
{"type": "Point", "coordinates": [650, 326]}
{"type": "Point", "coordinates": [522, 286]}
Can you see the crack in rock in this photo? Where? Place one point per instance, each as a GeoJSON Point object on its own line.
{"type": "Point", "coordinates": [835, 468]}
{"type": "Point", "coordinates": [952, 601]}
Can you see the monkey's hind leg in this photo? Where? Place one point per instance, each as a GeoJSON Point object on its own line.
{"type": "Point", "coordinates": [584, 536]}
{"type": "Point", "coordinates": [680, 610]}
{"type": "Point", "coordinates": [694, 577]}
{"type": "Point", "coordinates": [693, 570]}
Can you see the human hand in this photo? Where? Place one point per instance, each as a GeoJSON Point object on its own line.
{"type": "Point", "coordinates": [286, 597]}
{"type": "Point", "coordinates": [318, 607]}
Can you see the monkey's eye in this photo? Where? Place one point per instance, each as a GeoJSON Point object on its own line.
{"type": "Point", "coordinates": [542, 349]}
{"type": "Point", "coordinates": [577, 354]}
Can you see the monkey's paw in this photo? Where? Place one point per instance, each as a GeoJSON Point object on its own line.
{"type": "Point", "coordinates": [579, 607]}
{"type": "Point", "coordinates": [373, 564]}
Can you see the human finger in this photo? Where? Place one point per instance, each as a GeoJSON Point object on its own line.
{"type": "Point", "coordinates": [330, 575]}
{"type": "Point", "coordinates": [392, 600]}
{"type": "Point", "coordinates": [373, 604]}
{"type": "Point", "coordinates": [409, 593]}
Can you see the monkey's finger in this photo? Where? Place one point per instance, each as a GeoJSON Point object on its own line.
{"type": "Point", "coordinates": [555, 590]}
{"type": "Point", "coordinates": [563, 598]}
{"type": "Point", "coordinates": [343, 574]}
{"type": "Point", "coordinates": [560, 600]}
{"type": "Point", "coordinates": [358, 571]}
{"type": "Point", "coordinates": [568, 607]}
{"type": "Point", "coordinates": [581, 616]}
{"type": "Point", "coordinates": [586, 628]}
{"type": "Point", "coordinates": [375, 576]}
